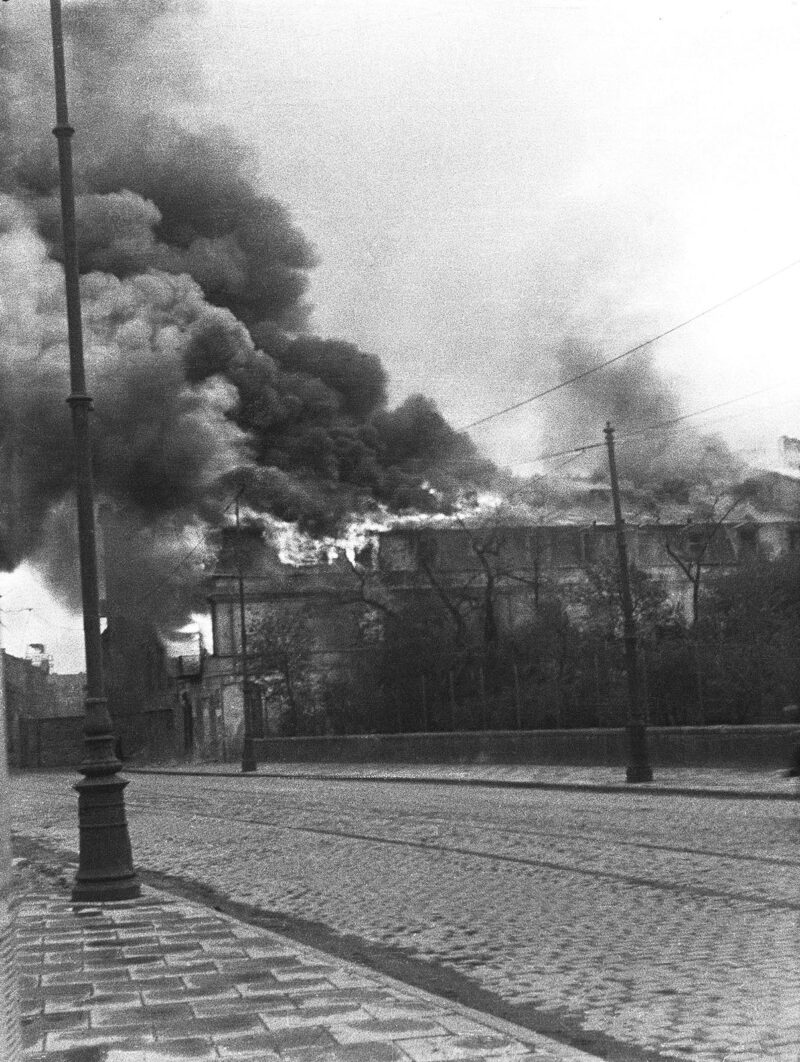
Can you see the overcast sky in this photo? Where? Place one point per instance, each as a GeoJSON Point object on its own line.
{"type": "Point", "coordinates": [486, 180]}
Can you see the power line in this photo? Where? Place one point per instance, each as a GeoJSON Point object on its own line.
{"type": "Point", "coordinates": [632, 350]}
{"type": "Point", "coordinates": [657, 426]}
{"type": "Point", "coordinates": [180, 563]}
{"type": "Point", "coordinates": [661, 425]}
{"type": "Point", "coordinates": [189, 553]}
{"type": "Point", "coordinates": [56, 626]}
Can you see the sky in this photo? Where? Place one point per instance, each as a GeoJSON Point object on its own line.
{"type": "Point", "coordinates": [485, 178]}
{"type": "Point", "coordinates": [486, 181]}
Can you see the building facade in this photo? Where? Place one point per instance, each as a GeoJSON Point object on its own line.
{"type": "Point", "coordinates": [320, 626]}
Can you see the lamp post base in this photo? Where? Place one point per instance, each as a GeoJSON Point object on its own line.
{"type": "Point", "coordinates": [248, 757]}
{"type": "Point", "coordinates": [106, 869]}
{"type": "Point", "coordinates": [105, 890]}
{"type": "Point", "coordinates": [639, 769]}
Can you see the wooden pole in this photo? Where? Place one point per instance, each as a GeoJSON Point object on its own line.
{"type": "Point", "coordinates": [517, 695]}
{"type": "Point", "coordinates": [484, 710]}
{"type": "Point", "coordinates": [248, 748]}
{"type": "Point", "coordinates": [639, 769]}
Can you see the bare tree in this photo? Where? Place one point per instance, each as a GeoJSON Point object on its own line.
{"type": "Point", "coordinates": [691, 557]}
{"type": "Point", "coordinates": [284, 649]}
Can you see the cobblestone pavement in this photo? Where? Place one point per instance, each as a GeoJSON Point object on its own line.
{"type": "Point", "coordinates": [690, 780]}
{"type": "Point", "coordinates": [668, 924]}
{"type": "Point", "coordinates": [155, 980]}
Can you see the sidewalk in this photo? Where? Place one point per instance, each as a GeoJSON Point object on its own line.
{"type": "Point", "coordinates": [159, 979]}
{"type": "Point", "coordinates": [735, 783]}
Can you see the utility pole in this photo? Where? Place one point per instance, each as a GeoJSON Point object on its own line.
{"type": "Point", "coordinates": [105, 869]}
{"type": "Point", "coordinates": [248, 747]}
{"type": "Point", "coordinates": [639, 769]}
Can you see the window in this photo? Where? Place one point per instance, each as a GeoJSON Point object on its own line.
{"type": "Point", "coordinates": [747, 537]}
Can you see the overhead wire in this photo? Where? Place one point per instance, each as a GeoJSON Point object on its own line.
{"type": "Point", "coordinates": [189, 553]}
{"type": "Point", "coordinates": [56, 626]}
{"type": "Point", "coordinates": [656, 426]}
{"type": "Point", "coordinates": [571, 453]}
{"type": "Point", "coordinates": [630, 351]}
{"type": "Point", "coordinates": [13, 612]}
{"type": "Point", "coordinates": [149, 593]}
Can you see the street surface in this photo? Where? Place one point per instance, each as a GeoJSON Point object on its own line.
{"type": "Point", "coordinates": [666, 924]}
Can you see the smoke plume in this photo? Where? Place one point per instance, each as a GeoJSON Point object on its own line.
{"type": "Point", "coordinates": [676, 463]}
{"type": "Point", "coordinates": [205, 375]}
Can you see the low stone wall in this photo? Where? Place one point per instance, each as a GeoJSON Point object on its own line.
{"type": "Point", "coordinates": [765, 747]}
{"type": "Point", "coordinates": [58, 741]}
{"type": "Point", "coordinates": [52, 742]}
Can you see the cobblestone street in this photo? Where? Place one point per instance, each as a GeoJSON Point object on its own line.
{"type": "Point", "coordinates": [665, 923]}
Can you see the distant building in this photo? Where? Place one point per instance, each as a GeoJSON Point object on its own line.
{"type": "Point", "coordinates": [141, 689]}
{"type": "Point", "coordinates": [44, 712]}
{"type": "Point", "coordinates": [337, 606]}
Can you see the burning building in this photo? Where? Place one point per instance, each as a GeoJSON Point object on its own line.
{"type": "Point", "coordinates": [205, 373]}
{"type": "Point", "coordinates": [210, 384]}
{"type": "Point", "coordinates": [318, 613]}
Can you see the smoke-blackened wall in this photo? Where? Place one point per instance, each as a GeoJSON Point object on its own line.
{"type": "Point", "coordinates": [205, 373]}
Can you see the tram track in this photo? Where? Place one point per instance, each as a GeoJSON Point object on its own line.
{"type": "Point", "coordinates": [573, 914]}
{"type": "Point", "coordinates": [496, 827]}
{"type": "Point", "coordinates": [634, 880]}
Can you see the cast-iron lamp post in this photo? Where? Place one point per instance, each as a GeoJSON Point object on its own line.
{"type": "Point", "coordinates": [105, 869]}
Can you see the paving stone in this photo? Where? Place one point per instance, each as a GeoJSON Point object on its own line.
{"type": "Point", "coordinates": [376, 1052]}
{"type": "Point", "coordinates": [190, 962]}
{"type": "Point", "coordinates": [32, 1037]}
{"type": "Point", "coordinates": [72, 1018]}
{"type": "Point", "coordinates": [409, 1009]}
{"type": "Point", "coordinates": [292, 1019]}
{"type": "Point", "coordinates": [119, 1016]}
{"type": "Point", "coordinates": [214, 981]}
{"type": "Point", "coordinates": [225, 1025]}
{"type": "Point", "coordinates": [358, 996]}
{"type": "Point", "coordinates": [375, 1030]}
{"type": "Point", "coordinates": [62, 973]}
{"type": "Point", "coordinates": [190, 995]}
{"type": "Point", "coordinates": [263, 989]}
{"type": "Point", "coordinates": [353, 1012]}
{"type": "Point", "coordinates": [263, 1007]}
{"type": "Point", "coordinates": [261, 1047]}
{"type": "Point", "coordinates": [303, 1036]}
{"type": "Point", "coordinates": [124, 998]}
{"type": "Point", "coordinates": [142, 978]}
{"type": "Point", "coordinates": [119, 1052]}
{"type": "Point", "coordinates": [453, 1049]}
{"type": "Point", "coordinates": [138, 1037]}
{"type": "Point", "coordinates": [656, 924]}
{"type": "Point", "coordinates": [75, 990]}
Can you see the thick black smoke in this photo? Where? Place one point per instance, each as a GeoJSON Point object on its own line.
{"type": "Point", "coordinates": [676, 463]}
{"type": "Point", "coordinates": [204, 373]}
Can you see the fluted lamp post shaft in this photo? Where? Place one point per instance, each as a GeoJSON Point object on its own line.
{"type": "Point", "coordinates": [105, 870]}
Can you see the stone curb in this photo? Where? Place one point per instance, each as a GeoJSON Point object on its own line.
{"type": "Point", "coordinates": [486, 783]}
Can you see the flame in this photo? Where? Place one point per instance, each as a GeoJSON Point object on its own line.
{"type": "Point", "coordinates": [298, 549]}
